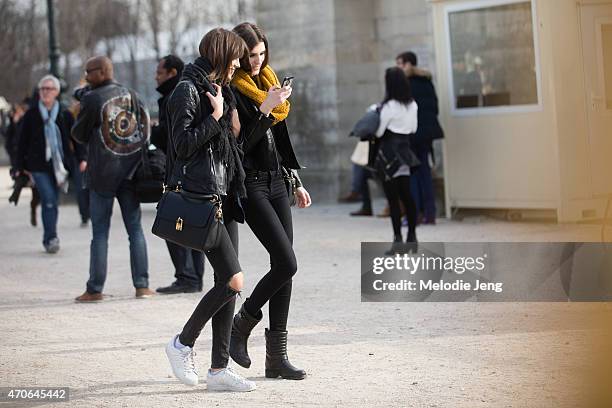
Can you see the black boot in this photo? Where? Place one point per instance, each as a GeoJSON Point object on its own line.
{"type": "Point", "coordinates": [412, 242]}
{"type": "Point", "coordinates": [277, 362]}
{"type": "Point", "coordinates": [241, 330]}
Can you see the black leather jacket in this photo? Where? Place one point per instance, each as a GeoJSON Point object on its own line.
{"type": "Point", "coordinates": [256, 146]}
{"type": "Point", "coordinates": [193, 164]}
{"type": "Point", "coordinates": [110, 135]}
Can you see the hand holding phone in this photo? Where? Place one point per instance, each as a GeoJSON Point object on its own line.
{"type": "Point", "coordinates": [276, 96]}
{"type": "Point", "coordinates": [287, 82]}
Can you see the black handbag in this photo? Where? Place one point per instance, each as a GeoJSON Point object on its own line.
{"type": "Point", "coordinates": [290, 185]}
{"type": "Point", "coordinates": [188, 219]}
{"type": "Point", "coordinates": [150, 175]}
{"type": "Point", "coordinates": [148, 180]}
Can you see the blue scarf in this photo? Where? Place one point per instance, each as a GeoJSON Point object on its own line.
{"type": "Point", "coordinates": [53, 138]}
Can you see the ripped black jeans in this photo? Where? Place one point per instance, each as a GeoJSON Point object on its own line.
{"type": "Point", "coordinates": [219, 302]}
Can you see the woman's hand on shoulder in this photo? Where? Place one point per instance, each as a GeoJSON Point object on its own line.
{"type": "Point", "coordinates": [216, 102]}
{"type": "Point", "coordinates": [303, 198]}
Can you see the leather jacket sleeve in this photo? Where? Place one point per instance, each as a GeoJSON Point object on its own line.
{"type": "Point", "coordinates": [182, 110]}
{"type": "Point", "coordinates": [298, 180]}
{"type": "Point", "coordinates": [87, 119]}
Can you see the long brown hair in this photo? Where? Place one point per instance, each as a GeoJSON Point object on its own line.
{"type": "Point", "coordinates": [252, 35]}
{"type": "Point", "coordinates": [221, 47]}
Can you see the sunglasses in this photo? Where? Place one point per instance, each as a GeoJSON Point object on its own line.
{"type": "Point", "coordinates": [89, 71]}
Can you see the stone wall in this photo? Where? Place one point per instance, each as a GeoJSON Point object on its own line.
{"type": "Point", "coordinates": [338, 50]}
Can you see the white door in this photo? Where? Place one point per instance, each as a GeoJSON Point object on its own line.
{"type": "Point", "coordinates": [596, 27]}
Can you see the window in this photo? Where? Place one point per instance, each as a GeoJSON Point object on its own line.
{"type": "Point", "coordinates": [492, 55]}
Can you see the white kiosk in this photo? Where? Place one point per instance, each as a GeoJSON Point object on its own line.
{"type": "Point", "coordinates": [526, 103]}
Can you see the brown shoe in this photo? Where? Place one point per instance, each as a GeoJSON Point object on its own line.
{"type": "Point", "coordinates": [89, 298]}
{"type": "Point", "coordinates": [351, 197]}
{"type": "Point", "coordinates": [362, 213]}
{"type": "Point", "coordinates": [143, 293]}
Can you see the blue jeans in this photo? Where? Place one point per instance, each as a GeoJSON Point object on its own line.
{"type": "Point", "coordinates": [421, 186]}
{"type": "Point", "coordinates": [49, 194]}
{"type": "Point", "coordinates": [101, 209]}
{"type": "Point", "coordinates": [360, 185]}
{"type": "Point", "coordinates": [82, 192]}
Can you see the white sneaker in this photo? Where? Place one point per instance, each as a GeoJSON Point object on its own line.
{"type": "Point", "coordinates": [181, 361]}
{"type": "Point", "coordinates": [228, 380]}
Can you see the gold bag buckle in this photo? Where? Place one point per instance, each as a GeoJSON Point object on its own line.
{"type": "Point", "coordinates": [179, 224]}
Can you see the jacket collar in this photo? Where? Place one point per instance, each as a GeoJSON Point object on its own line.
{"type": "Point", "coordinates": [197, 72]}
{"type": "Point", "coordinates": [166, 87]}
{"type": "Point", "coordinates": [104, 83]}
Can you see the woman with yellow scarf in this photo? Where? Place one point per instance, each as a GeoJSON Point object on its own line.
{"type": "Point", "coordinates": [268, 160]}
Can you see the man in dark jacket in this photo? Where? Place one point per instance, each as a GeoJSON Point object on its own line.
{"type": "Point", "coordinates": [107, 124]}
{"type": "Point", "coordinates": [188, 263]}
{"type": "Point", "coordinates": [428, 130]}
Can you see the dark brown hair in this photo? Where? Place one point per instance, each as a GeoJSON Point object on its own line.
{"type": "Point", "coordinates": [408, 56]}
{"type": "Point", "coordinates": [252, 35]}
{"type": "Point", "coordinates": [221, 47]}
{"type": "Point", "coordinates": [397, 86]}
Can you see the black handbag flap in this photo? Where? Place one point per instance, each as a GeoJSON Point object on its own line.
{"type": "Point", "coordinates": [193, 210]}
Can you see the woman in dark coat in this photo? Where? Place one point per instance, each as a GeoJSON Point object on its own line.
{"type": "Point", "coordinates": [268, 155]}
{"type": "Point", "coordinates": [46, 153]}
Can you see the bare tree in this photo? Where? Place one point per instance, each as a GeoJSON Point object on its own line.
{"type": "Point", "coordinates": [155, 13]}
{"type": "Point", "coordinates": [20, 47]}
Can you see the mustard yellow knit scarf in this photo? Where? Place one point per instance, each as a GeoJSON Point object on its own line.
{"type": "Point", "coordinates": [257, 92]}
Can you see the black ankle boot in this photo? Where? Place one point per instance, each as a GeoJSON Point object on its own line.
{"type": "Point", "coordinates": [277, 362]}
{"type": "Point", "coordinates": [241, 330]}
{"type": "Point", "coordinates": [412, 242]}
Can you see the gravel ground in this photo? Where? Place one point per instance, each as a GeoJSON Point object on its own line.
{"type": "Point", "coordinates": [111, 354]}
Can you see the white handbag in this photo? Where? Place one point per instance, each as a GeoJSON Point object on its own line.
{"type": "Point", "coordinates": [361, 153]}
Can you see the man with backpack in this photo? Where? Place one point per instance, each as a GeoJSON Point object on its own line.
{"type": "Point", "coordinates": [107, 123]}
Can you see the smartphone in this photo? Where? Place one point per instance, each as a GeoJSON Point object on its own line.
{"type": "Point", "coordinates": [287, 81]}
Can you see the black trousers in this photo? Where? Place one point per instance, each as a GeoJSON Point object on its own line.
{"type": "Point", "coordinates": [188, 265]}
{"type": "Point", "coordinates": [397, 189]}
{"type": "Point", "coordinates": [219, 302]}
{"type": "Point", "coordinates": [269, 216]}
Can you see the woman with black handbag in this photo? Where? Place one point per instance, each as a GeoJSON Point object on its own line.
{"type": "Point", "coordinates": [271, 179]}
{"type": "Point", "coordinates": [394, 157]}
{"type": "Point", "coordinates": [204, 160]}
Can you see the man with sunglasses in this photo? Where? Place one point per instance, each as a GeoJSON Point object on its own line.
{"type": "Point", "coordinates": [44, 153]}
{"type": "Point", "coordinates": [115, 125]}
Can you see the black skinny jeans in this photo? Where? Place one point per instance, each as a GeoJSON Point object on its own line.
{"type": "Point", "coordinates": [397, 189]}
{"type": "Point", "coordinates": [219, 302]}
{"type": "Point", "coordinates": [269, 216]}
